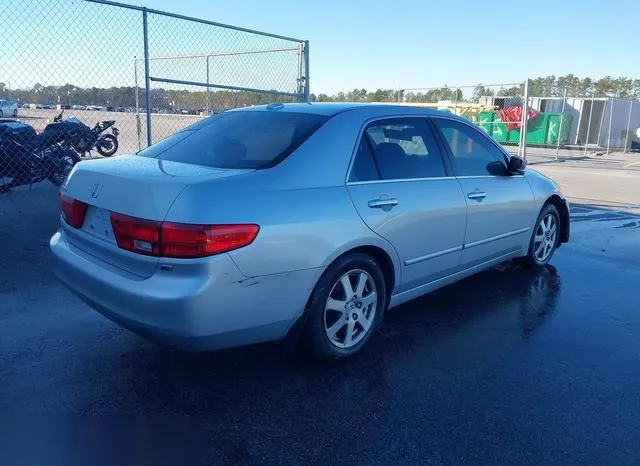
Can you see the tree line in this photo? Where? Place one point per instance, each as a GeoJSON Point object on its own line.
{"type": "Point", "coordinates": [168, 99]}
{"type": "Point", "coordinates": [125, 96]}
{"type": "Point", "coordinates": [547, 86]}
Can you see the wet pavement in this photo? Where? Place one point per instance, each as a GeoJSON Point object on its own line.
{"type": "Point", "coordinates": [510, 366]}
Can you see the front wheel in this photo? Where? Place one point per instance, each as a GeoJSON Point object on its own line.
{"type": "Point", "coordinates": [545, 238]}
{"type": "Point", "coordinates": [61, 168]}
{"type": "Point", "coordinates": [107, 145]}
{"type": "Point", "coordinates": [346, 306]}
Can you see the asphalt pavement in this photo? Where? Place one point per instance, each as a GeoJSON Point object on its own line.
{"type": "Point", "coordinates": [507, 367]}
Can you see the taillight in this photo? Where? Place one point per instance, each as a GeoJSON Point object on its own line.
{"type": "Point", "coordinates": [179, 240]}
{"type": "Point", "coordinates": [184, 240]}
{"type": "Point", "coordinates": [136, 235]}
{"type": "Point", "coordinates": [72, 210]}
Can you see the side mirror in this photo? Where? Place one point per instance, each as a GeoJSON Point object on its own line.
{"type": "Point", "coordinates": [516, 164]}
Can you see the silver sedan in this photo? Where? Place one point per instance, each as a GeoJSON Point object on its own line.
{"type": "Point", "coordinates": [301, 220]}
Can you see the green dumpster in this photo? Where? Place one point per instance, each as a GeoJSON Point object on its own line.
{"type": "Point", "coordinates": [485, 120]}
{"type": "Point", "coordinates": [514, 136]}
{"type": "Point", "coordinates": [559, 125]}
{"type": "Point", "coordinates": [499, 131]}
{"type": "Point", "coordinates": [537, 129]}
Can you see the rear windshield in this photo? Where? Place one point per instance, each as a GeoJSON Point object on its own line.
{"type": "Point", "coordinates": [238, 139]}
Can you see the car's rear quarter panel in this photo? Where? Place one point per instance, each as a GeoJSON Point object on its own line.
{"type": "Point", "coordinates": [299, 228]}
{"type": "Point", "coordinates": [306, 216]}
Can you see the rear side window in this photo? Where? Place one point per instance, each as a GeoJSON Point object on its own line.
{"type": "Point", "coordinates": [239, 139]}
{"type": "Point", "coordinates": [364, 166]}
{"type": "Point", "coordinates": [404, 148]}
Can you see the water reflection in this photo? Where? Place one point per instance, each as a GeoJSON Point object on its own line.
{"type": "Point", "coordinates": [444, 328]}
{"type": "Point", "coordinates": [539, 302]}
{"type": "Point", "coordinates": [492, 296]}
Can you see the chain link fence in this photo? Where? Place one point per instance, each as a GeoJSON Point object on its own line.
{"type": "Point", "coordinates": [129, 75]}
{"type": "Point", "coordinates": [586, 124]}
{"type": "Point", "coordinates": [496, 108]}
{"type": "Point", "coordinates": [559, 124]}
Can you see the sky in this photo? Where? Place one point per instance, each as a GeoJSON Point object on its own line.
{"type": "Point", "coordinates": [400, 44]}
{"type": "Point", "coordinates": [353, 43]}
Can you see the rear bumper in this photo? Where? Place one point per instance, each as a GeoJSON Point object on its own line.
{"type": "Point", "coordinates": [210, 306]}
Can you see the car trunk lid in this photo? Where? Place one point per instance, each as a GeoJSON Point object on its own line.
{"type": "Point", "coordinates": [140, 187]}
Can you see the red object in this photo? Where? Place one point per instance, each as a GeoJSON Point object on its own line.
{"type": "Point", "coordinates": [179, 240]}
{"type": "Point", "coordinates": [136, 235]}
{"type": "Point", "coordinates": [512, 116]}
{"type": "Point", "coordinates": [72, 210]}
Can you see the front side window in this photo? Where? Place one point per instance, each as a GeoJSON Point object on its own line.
{"type": "Point", "coordinates": [239, 139]}
{"type": "Point", "coordinates": [404, 148]}
{"type": "Point", "coordinates": [473, 153]}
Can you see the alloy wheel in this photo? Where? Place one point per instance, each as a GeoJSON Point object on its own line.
{"type": "Point", "coordinates": [350, 309]}
{"type": "Point", "coordinates": [545, 237]}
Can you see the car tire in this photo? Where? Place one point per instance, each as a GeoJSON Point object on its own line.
{"type": "Point", "coordinates": [15, 113]}
{"type": "Point", "coordinates": [340, 321]}
{"type": "Point", "coordinates": [1, 114]}
{"type": "Point", "coordinates": [107, 145]}
{"type": "Point", "coordinates": [545, 238]}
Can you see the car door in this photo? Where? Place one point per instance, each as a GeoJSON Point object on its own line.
{"type": "Point", "coordinates": [499, 204]}
{"type": "Point", "coordinates": [403, 189]}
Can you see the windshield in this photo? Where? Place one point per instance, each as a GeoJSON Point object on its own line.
{"type": "Point", "coordinates": [238, 139]}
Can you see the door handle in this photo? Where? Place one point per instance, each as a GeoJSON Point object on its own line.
{"type": "Point", "coordinates": [378, 203]}
{"type": "Point", "coordinates": [477, 195]}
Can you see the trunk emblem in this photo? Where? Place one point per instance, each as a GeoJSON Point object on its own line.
{"type": "Point", "coordinates": [95, 191]}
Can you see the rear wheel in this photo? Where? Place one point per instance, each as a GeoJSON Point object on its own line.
{"type": "Point", "coordinates": [545, 238]}
{"type": "Point", "coordinates": [107, 145]}
{"type": "Point", "coordinates": [15, 112]}
{"type": "Point", "coordinates": [346, 306]}
{"type": "Point", "coordinates": [60, 170]}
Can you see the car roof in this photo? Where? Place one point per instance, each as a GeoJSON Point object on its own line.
{"type": "Point", "coordinates": [333, 108]}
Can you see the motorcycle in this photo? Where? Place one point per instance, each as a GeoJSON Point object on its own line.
{"type": "Point", "coordinates": [82, 138]}
{"type": "Point", "coordinates": [26, 159]}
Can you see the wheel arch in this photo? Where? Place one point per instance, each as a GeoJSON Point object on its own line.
{"type": "Point", "coordinates": [565, 220]}
{"type": "Point", "coordinates": [390, 272]}
{"type": "Point", "coordinates": [384, 261]}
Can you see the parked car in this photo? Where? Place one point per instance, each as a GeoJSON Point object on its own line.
{"type": "Point", "coordinates": [78, 107]}
{"type": "Point", "coordinates": [25, 105]}
{"type": "Point", "coordinates": [48, 106]}
{"type": "Point", "coordinates": [8, 108]}
{"type": "Point", "coordinates": [92, 107]}
{"type": "Point", "coordinates": [279, 221]}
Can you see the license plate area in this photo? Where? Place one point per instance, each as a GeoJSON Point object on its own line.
{"type": "Point", "coordinates": [98, 224]}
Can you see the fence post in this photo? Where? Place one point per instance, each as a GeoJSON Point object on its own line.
{"type": "Point", "coordinates": [586, 143]}
{"type": "Point", "coordinates": [147, 82]}
{"type": "Point", "coordinates": [307, 78]}
{"type": "Point", "coordinates": [523, 128]}
{"type": "Point", "coordinates": [610, 118]}
{"type": "Point", "coordinates": [208, 88]}
{"type": "Point", "coordinates": [626, 141]}
{"type": "Point", "coordinates": [135, 77]}
{"type": "Point", "coordinates": [455, 101]}
{"type": "Point", "coordinates": [564, 100]}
